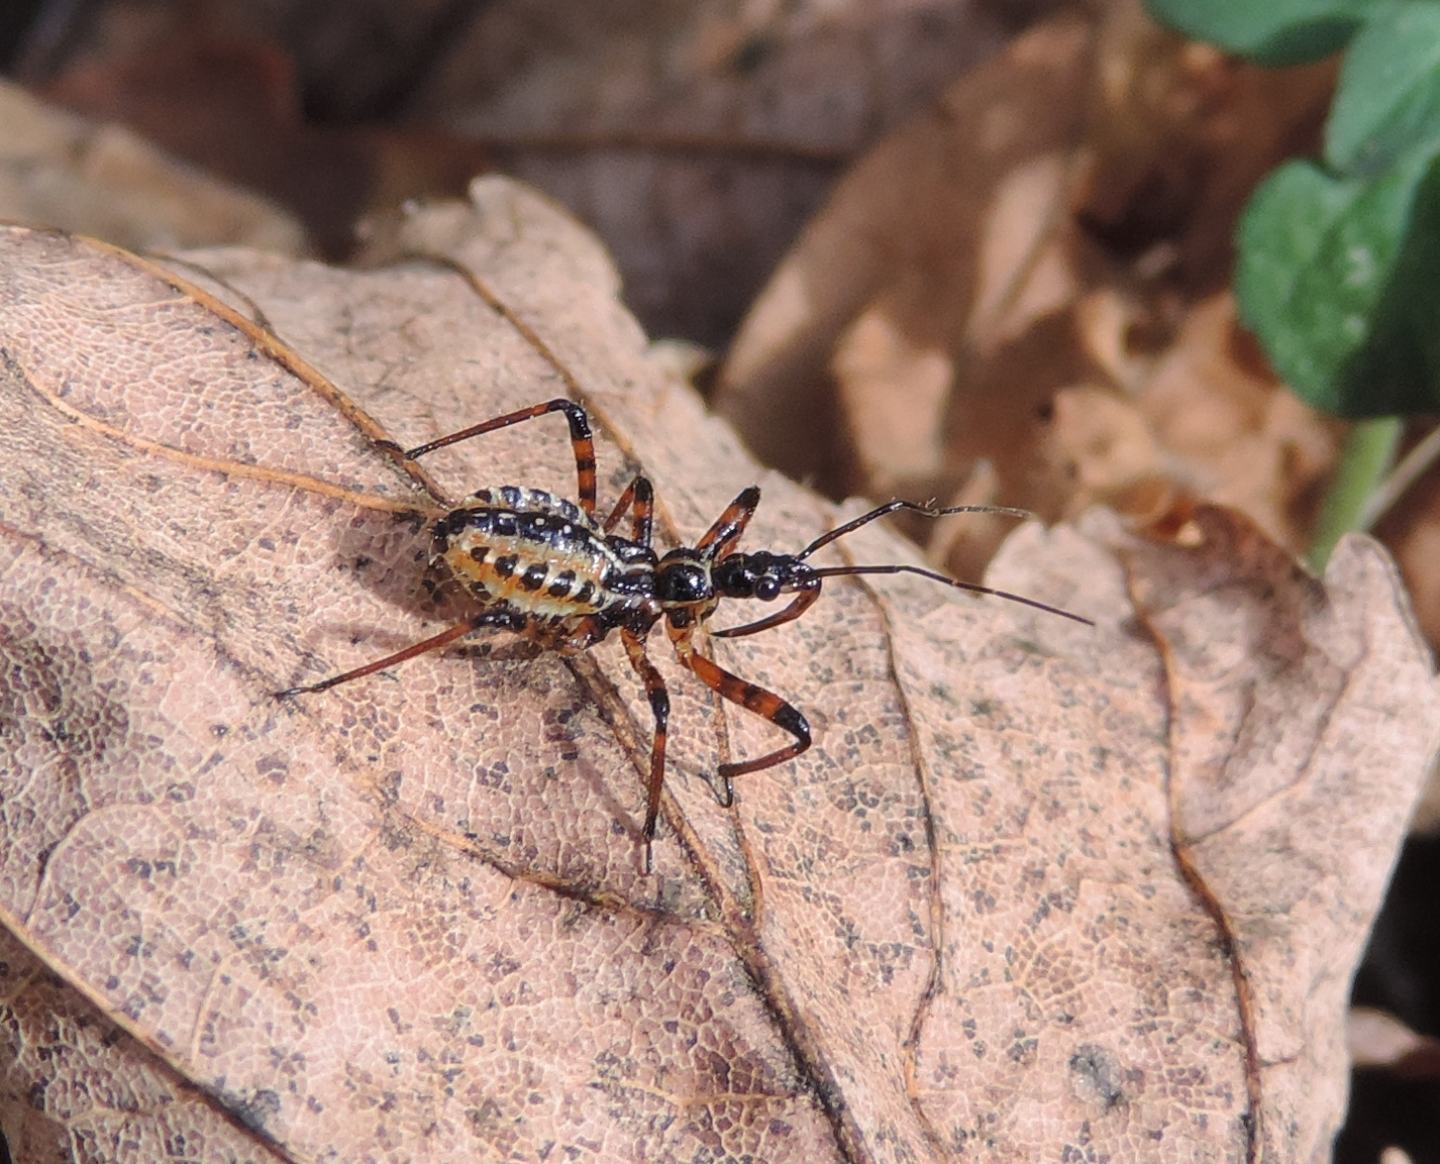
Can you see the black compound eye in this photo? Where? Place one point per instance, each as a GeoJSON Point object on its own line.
{"type": "Point", "coordinates": [767, 589]}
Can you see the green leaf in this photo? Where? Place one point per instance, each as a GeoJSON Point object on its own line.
{"type": "Point", "coordinates": [1273, 32]}
{"type": "Point", "coordinates": [1338, 276]}
{"type": "Point", "coordinates": [1388, 100]}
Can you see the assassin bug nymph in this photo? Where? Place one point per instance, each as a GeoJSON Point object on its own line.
{"type": "Point", "coordinates": [547, 569]}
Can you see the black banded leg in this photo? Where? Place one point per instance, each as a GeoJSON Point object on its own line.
{"type": "Point", "coordinates": [581, 442]}
{"type": "Point", "coordinates": [721, 537]}
{"type": "Point", "coordinates": [660, 706]}
{"type": "Point", "coordinates": [434, 643]}
{"type": "Point", "coordinates": [639, 495]}
{"type": "Point", "coordinates": [765, 704]}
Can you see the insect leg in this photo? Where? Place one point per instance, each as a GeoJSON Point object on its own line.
{"type": "Point", "coordinates": [765, 704]}
{"type": "Point", "coordinates": [434, 643]}
{"type": "Point", "coordinates": [803, 601]}
{"type": "Point", "coordinates": [721, 537]}
{"type": "Point", "coordinates": [660, 706]}
{"type": "Point", "coordinates": [640, 495]}
{"type": "Point", "coordinates": [581, 442]}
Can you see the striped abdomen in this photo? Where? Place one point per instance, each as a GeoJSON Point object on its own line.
{"type": "Point", "coordinates": [531, 550]}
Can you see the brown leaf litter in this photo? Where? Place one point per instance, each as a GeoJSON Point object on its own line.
{"type": "Point", "coordinates": [1037, 889]}
{"type": "Point", "coordinates": [1017, 297]}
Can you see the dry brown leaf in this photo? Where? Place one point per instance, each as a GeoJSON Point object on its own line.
{"type": "Point", "coordinates": [1231, 431]}
{"type": "Point", "coordinates": [1181, 134]}
{"type": "Point", "coordinates": [696, 138]}
{"type": "Point", "coordinates": [241, 118]}
{"type": "Point", "coordinates": [939, 248]}
{"type": "Point", "coordinates": [1036, 890]}
{"type": "Point", "coordinates": [1377, 1038]}
{"type": "Point", "coordinates": [991, 295]}
{"type": "Point", "coordinates": [57, 169]}
{"type": "Point", "coordinates": [95, 1095]}
{"type": "Point", "coordinates": [1411, 531]}
{"type": "Point", "coordinates": [1210, 421]}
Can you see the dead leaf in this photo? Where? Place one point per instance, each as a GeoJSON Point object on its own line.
{"type": "Point", "coordinates": [1012, 299]}
{"type": "Point", "coordinates": [1210, 421]}
{"type": "Point", "coordinates": [95, 1094]}
{"type": "Point", "coordinates": [1037, 889]}
{"type": "Point", "coordinates": [1395, 1088]}
{"type": "Point", "coordinates": [943, 237]}
{"type": "Point", "coordinates": [57, 169]}
{"type": "Point", "coordinates": [696, 138]}
{"type": "Point", "coordinates": [1378, 1039]}
{"type": "Point", "coordinates": [1181, 134]}
{"type": "Point", "coordinates": [1231, 431]}
{"type": "Point", "coordinates": [1411, 531]}
{"type": "Point", "coordinates": [242, 119]}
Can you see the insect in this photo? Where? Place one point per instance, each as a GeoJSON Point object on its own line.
{"type": "Point", "coordinates": [550, 570]}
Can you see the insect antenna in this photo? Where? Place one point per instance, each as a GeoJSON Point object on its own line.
{"type": "Point", "coordinates": [936, 576]}
{"type": "Point", "coordinates": [927, 511]}
{"type": "Point", "coordinates": [913, 507]}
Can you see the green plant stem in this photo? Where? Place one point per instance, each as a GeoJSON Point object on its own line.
{"type": "Point", "coordinates": [1365, 458]}
{"type": "Point", "coordinates": [1414, 465]}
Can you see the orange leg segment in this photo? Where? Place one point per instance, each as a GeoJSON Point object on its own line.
{"type": "Point", "coordinates": [803, 601]}
{"type": "Point", "coordinates": [660, 706]}
{"type": "Point", "coordinates": [761, 702]}
{"type": "Point", "coordinates": [581, 442]}
{"type": "Point", "coordinates": [639, 496]}
{"type": "Point", "coordinates": [721, 537]}
{"type": "Point", "coordinates": [434, 643]}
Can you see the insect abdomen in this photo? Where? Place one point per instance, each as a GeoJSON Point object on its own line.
{"type": "Point", "coordinates": [535, 552]}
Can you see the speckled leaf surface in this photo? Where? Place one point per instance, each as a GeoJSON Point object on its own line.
{"type": "Point", "coordinates": [1037, 890]}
